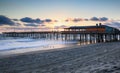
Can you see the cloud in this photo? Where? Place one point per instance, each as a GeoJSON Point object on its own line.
{"type": "Point", "coordinates": [15, 19]}
{"type": "Point", "coordinates": [31, 24]}
{"type": "Point", "coordinates": [30, 20]}
{"type": "Point", "coordinates": [74, 20]}
{"type": "Point", "coordinates": [35, 22]}
{"type": "Point", "coordinates": [113, 24]}
{"type": "Point", "coordinates": [6, 21]}
{"type": "Point", "coordinates": [38, 21]}
{"type": "Point", "coordinates": [86, 19]}
{"type": "Point", "coordinates": [103, 19]}
{"type": "Point", "coordinates": [48, 20]}
{"type": "Point", "coordinates": [94, 19]}
{"type": "Point", "coordinates": [99, 19]}
{"type": "Point", "coordinates": [77, 19]}
{"type": "Point", "coordinates": [27, 19]}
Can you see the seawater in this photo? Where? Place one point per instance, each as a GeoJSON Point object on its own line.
{"type": "Point", "coordinates": [22, 45]}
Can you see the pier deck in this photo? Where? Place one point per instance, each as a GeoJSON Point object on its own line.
{"type": "Point", "coordinates": [68, 35]}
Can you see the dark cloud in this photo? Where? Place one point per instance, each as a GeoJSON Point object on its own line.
{"type": "Point", "coordinates": [48, 20]}
{"type": "Point", "coordinates": [27, 19]}
{"type": "Point", "coordinates": [15, 19]}
{"type": "Point", "coordinates": [99, 19]}
{"type": "Point", "coordinates": [94, 19]}
{"type": "Point", "coordinates": [103, 19]}
{"type": "Point", "coordinates": [86, 19]}
{"type": "Point", "coordinates": [6, 21]}
{"type": "Point", "coordinates": [74, 19]}
{"type": "Point", "coordinates": [38, 21]}
{"type": "Point", "coordinates": [30, 20]}
{"type": "Point", "coordinates": [77, 19]}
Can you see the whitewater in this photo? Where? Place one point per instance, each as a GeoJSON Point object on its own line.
{"type": "Point", "coordinates": [21, 45]}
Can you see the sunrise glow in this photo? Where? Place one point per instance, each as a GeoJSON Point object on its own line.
{"type": "Point", "coordinates": [57, 13]}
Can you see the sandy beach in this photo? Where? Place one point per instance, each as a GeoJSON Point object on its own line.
{"type": "Point", "coordinates": [92, 58]}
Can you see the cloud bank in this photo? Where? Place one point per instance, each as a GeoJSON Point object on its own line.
{"type": "Point", "coordinates": [6, 21]}
{"type": "Point", "coordinates": [99, 19]}
{"type": "Point", "coordinates": [34, 22]}
{"type": "Point", "coordinates": [90, 19]}
{"type": "Point", "coordinates": [30, 20]}
{"type": "Point", "coordinates": [48, 20]}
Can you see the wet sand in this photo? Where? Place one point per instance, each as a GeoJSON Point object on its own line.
{"type": "Point", "coordinates": [92, 58]}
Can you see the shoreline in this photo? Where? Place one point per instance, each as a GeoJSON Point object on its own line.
{"type": "Point", "coordinates": [16, 52]}
{"type": "Point", "coordinates": [95, 58]}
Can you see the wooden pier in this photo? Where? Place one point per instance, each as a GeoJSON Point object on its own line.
{"type": "Point", "coordinates": [92, 34]}
{"type": "Point", "coordinates": [37, 35]}
{"type": "Point", "coordinates": [92, 37]}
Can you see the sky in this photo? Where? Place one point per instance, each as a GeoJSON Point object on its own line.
{"type": "Point", "coordinates": [61, 10]}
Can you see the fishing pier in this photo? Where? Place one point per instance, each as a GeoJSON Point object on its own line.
{"type": "Point", "coordinates": [92, 34]}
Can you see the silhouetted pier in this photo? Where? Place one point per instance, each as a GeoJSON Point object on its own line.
{"type": "Point", "coordinates": [92, 37]}
{"type": "Point", "coordinates": [37, 35]}
{"type": "Point", "coordinates": [92, 34]}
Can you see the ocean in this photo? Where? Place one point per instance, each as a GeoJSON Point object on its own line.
{"type": "Point", "coordinates": [22, 45]}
